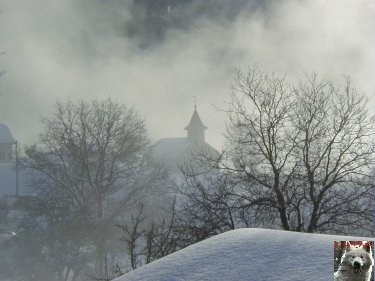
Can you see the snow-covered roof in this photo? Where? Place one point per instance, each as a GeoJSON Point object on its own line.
{"type": "Point", "coordinates": [6, 136]}
{"type": "Point", "coordinates": [170, 151]}
{"type": "Point", "coordinates": [175, 152]}
{"type": "Point", "coordinates": [169, 147]}
{"type": "Point", "coordinates": [247, 254]}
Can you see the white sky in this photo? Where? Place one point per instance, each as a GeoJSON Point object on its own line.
{"type": "Point", "coordinates": [60, 49]}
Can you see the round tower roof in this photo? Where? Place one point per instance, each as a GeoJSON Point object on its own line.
{"type": "Point", "coordinates": [5, 135]}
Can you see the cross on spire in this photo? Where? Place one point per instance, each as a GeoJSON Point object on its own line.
{"type": "Point", "coordinates": [195, 102]}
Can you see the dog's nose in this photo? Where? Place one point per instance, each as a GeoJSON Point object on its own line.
{"type": "Point", "coordinates": [357, 264]}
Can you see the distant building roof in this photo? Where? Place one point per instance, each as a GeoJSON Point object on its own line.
{"type": "Point", "coordinates": [171, 151]}
{"type": "Point", "coordinates": [176, 152]}
{"type": "Point", "coordinates": [6, 136]}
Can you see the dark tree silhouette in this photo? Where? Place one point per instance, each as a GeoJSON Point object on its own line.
{"type": "Point", "coordinates": [301, 157]}
{"type": "Point", "coordinates": [89, 167]}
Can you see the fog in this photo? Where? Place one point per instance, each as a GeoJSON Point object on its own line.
{"type": "Point", "coordinates": [76, 49]}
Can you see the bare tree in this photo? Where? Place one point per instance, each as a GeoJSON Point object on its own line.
{"type": "Point", "coordinates": [336, 145]}
{"type": "Point", "coordinates": [208, 207]}
{"type": "Point", "coordinates": [163, 236]}
{"type": "Point", "coordinates": [91, 162]}
{"type": "Point", "coordinates": [148, 238]}
{"type": "Point", "coordinates": [89, 151]}
{"type": "Point", "coordinates": [109, 266]}
{"type": "Point", "coordinates": [306, 151]}
{"type": "Point", "coordinates": [262, 143]}
{"type": "Point", "coordinates": [132, 233]}
{"type": "Point", "coordinates": [301, 157]}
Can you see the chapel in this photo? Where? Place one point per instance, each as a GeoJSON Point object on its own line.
{"type": "Point", "coordinates": [174, 153]}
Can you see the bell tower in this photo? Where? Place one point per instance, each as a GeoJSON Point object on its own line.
{"type": "Point", "coordinates": [195, 129]}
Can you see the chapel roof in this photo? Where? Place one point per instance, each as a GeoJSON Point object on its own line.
{"type": "Point", "coordinates": [6, 136]}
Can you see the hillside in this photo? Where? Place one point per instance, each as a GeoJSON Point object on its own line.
{"type": "Point", "coordinates": [247, 254]}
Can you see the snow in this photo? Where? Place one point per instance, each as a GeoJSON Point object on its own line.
{"type": "Point", "coordinates": [247, 254]}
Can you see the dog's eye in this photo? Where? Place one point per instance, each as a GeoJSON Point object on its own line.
{"type": "Point", "coordinates": [361, 257]}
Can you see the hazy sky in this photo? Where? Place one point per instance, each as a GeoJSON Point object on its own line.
{"type": "Point", "coordinates": [60, 49]}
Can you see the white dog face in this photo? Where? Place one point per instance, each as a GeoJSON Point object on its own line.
{"type": "Point", "coordinates": [358, 257]}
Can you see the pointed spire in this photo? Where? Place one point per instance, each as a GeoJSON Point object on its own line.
{"type": "Point", "coordinates": [195, 128]}
{"type": "Point", "coordinates": [195, 122]}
